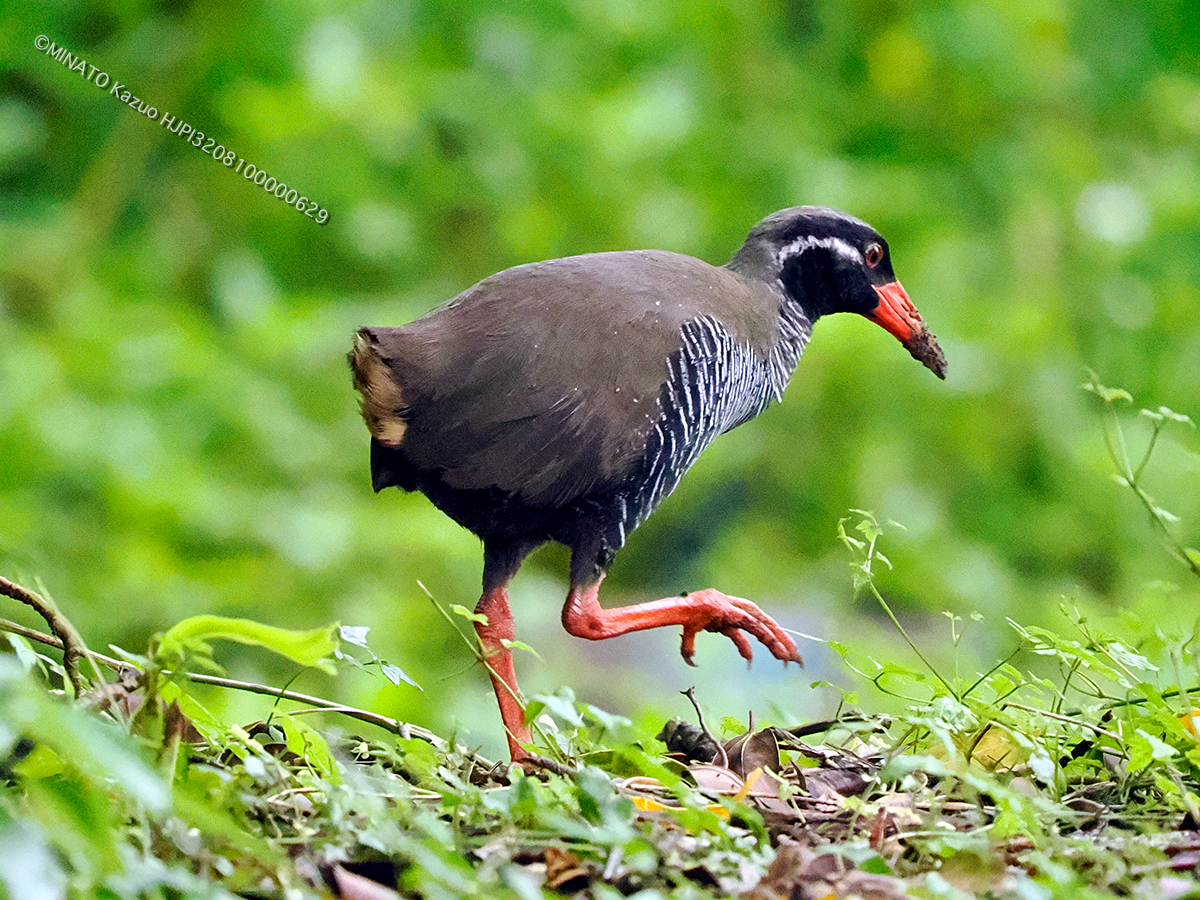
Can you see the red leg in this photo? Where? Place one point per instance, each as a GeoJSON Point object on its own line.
{"type": "Point", "coordinates": [706, 610]}
{"type": "Point", "coordinates": [493, 635]}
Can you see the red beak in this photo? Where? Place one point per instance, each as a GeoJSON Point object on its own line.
{"type": "Point", "coordinates": [896, 313]}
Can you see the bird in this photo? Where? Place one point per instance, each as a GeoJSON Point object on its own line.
{"type": "Point", "coordinates": [562, 401]}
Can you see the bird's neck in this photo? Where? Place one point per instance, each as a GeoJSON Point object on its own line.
{"type": "Point", "coordinates": [795, 328]}
{"type": "Point", "coordinates": [755, 264]}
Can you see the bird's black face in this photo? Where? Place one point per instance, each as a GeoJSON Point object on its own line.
{"type": "Point", "coordinates": [830, 262]}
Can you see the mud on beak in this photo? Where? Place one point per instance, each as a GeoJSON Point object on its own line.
{"type": "Point", "coordinates": [896, 313]}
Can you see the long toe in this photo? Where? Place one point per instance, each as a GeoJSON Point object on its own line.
{"type": "Point", "coordinates": [769, 632]}
{"type": "Point", "coordinates": [687, 647]}
{"type": "Point", "coordinates": [735, 617]}
{"type": "Point", "coordinates": [741, 642]}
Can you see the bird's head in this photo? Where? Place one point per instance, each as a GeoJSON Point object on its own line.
{"type": "Point", "coordinates": [827, 262]}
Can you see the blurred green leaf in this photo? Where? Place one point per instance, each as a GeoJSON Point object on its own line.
{"type": "Point", "coordinates": [28, 864]}
{"type": "Point", "coordinates": [1145, 748]}
{"type": "Point", "coordinates": [1107, 394]}
{"type": "Point", "coordinates": [469, 615]}
{"type": "Point", "coordinates": [310, 745]}
{"type": "Point", "coordinates": [192, 637]}
{"type": "Point", "coordinates": [79, 741]}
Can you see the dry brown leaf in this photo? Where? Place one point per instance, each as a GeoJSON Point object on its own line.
{"type": "Point", "coordinates": [355, 887]}
{"type": "Point", "coordinates": [748, 752]}
{"type": "Point", "coordinates": [716, 778]}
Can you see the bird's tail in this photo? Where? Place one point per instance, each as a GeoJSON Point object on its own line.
{"type": "Point", "coordinates": [382, 400]}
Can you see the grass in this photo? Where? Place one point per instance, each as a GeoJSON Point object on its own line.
{"type": "Point", "coordinates": [1080, 781]}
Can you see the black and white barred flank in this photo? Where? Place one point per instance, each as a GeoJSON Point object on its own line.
{"type": "Point", "coordinates": [714, 384]}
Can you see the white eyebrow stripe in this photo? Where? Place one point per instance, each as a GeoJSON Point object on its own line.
{"type": "Point", "coordinates": [836, 244]}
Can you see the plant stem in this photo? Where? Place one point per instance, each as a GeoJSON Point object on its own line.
{"type": "Point", "coordinates": [870, 556]}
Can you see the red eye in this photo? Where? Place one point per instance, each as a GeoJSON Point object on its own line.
{"type": "Point", "coordinates": [874, 255]}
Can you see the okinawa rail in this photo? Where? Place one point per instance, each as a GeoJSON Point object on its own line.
{"type": "Point", "coordinates": [564, 400]}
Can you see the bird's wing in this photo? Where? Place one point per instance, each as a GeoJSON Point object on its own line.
{"type": "Point", "coordinates": [545, 381]}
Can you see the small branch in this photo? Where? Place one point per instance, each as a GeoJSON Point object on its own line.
{"type": "Point", "coordinates": [690, 693]}
{"type": "Point", "coordinates": [870, 556]}
{"type": "Point", "coordinates": [1158, 426]}
{"type": "Point", "coordinates": [825, 725]}
{"type": "Point", "coordinates": [395, 726]}
{"type": "Point", "coordinates": [72, 645]}
{"type": "Point", "coordinates": [1095, 729]}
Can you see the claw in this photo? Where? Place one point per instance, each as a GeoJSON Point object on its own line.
{"type": "Point", "coordinates": [687, 647]}
{"type": "Point", "coordinates": [737, 619]}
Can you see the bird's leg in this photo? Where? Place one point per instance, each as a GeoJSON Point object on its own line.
{"type": "Point", "coordinates": [496, 631]}
{"type": "Point", "coordinates": [706, 610]}
{"type": "Point", "coordinates": [496, 634]}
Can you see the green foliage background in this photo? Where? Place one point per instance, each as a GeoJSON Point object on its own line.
{"type": "Point", "coordinates": [177, 430]}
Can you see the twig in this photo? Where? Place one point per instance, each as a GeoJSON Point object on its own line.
{"type": "Point", "coordinates": [1111, 735]}
{"type": "Point", "coordinates": [1131, 477]}
{"type": "Point", "coordinates": [825, 725]}
{"type": "Point", "coordinates": [690, 693]}
{"type": "Point", "coordinates": [70, 641]}
{"type": "Point", "coordinates": [395, 726]}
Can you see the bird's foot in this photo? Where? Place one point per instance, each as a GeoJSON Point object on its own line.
{"type": "Point", "coordinates": [706, 610]}
{"type": "Point", "coordinates": [734, 617]}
